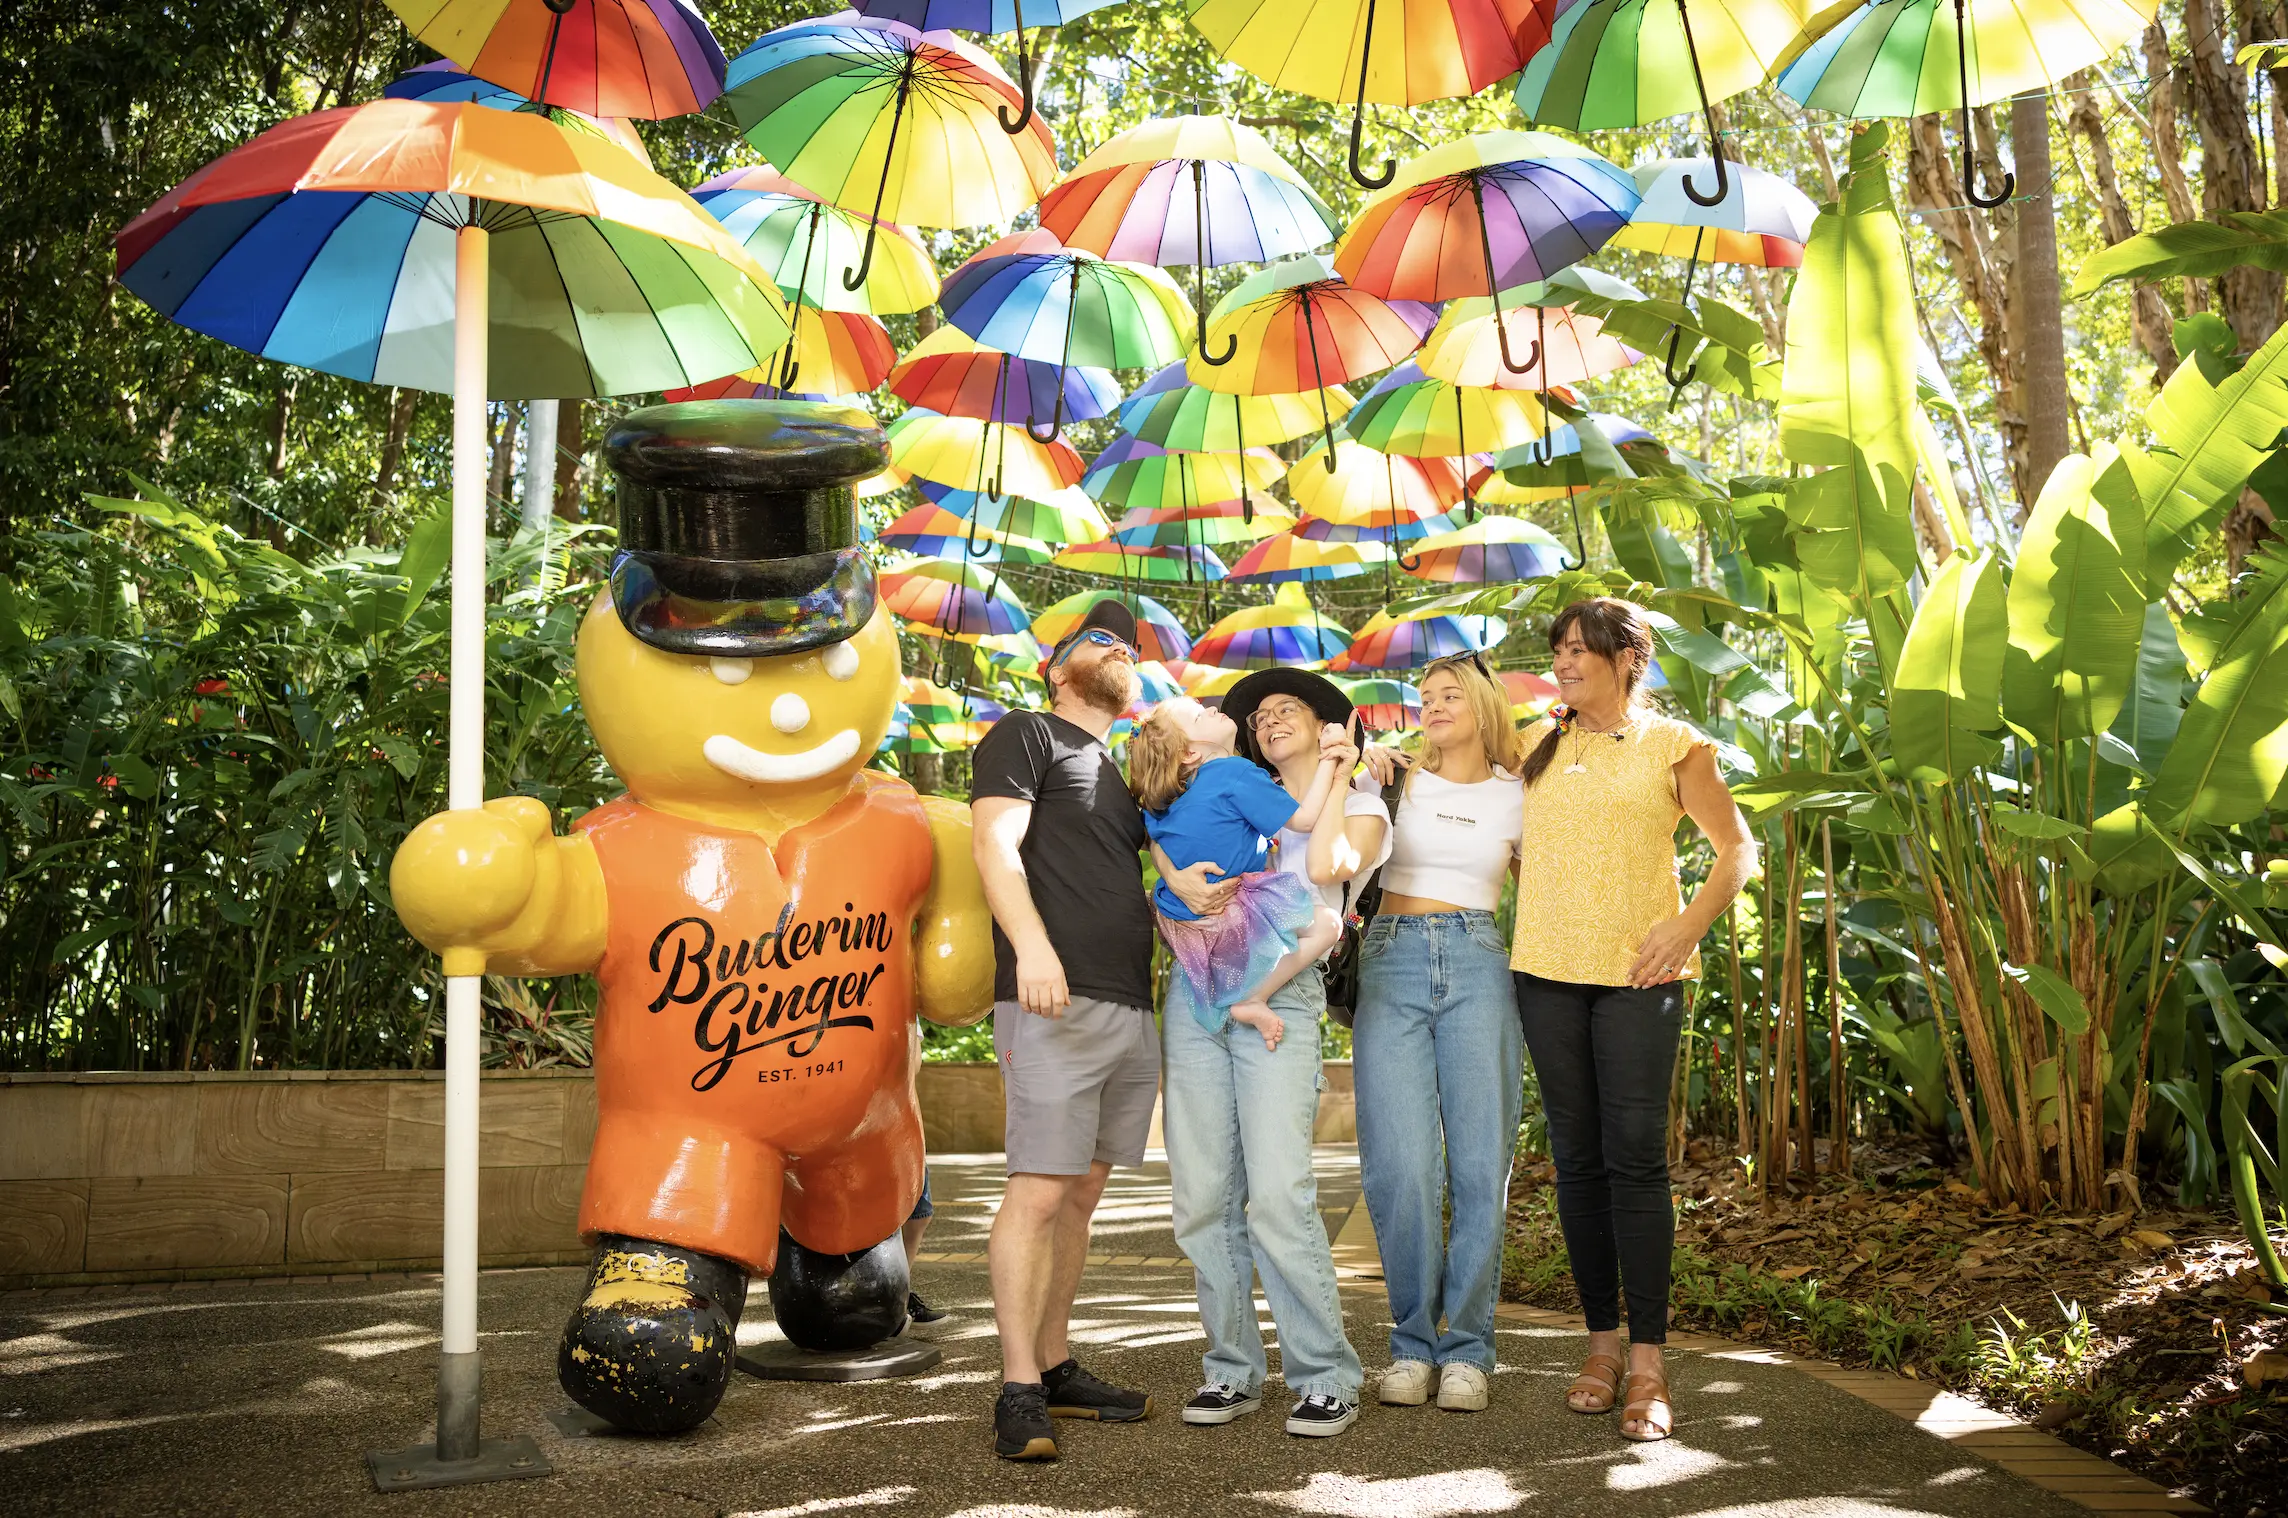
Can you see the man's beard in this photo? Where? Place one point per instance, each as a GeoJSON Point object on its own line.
{"type": "Point", "coordinates": [1109, 685]}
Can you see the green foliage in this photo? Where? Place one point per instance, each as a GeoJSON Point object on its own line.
{"type": "Point", "coordinates": [2076, 605]}
{"type": "Point", "coordinates": [1950, 675]}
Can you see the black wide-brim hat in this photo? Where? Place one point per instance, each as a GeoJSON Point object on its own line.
{"type": "Point", "coordinates": [739, 525]}
{"type": "Point", "coordinates": [1317, 692]}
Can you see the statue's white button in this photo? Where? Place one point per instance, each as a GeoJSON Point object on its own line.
{"type": "Point", "coordinates": [790, 713]}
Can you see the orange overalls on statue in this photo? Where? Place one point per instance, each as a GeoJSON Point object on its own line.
{"type": "Point", "coordinates": [755, 1050]}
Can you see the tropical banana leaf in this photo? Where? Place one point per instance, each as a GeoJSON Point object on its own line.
{"type": "Point", "coordinates": [2209, 438]}
{"type": "Point", "coordinates": [2130, 854]}
{"type": "Point", "coordinates": [2199, 249]}
{"type": "Point", "coordinates": [1948, 688]}
{"type": "Point", "coordinates": [2231, 753]}
{"type": "Point", "coordinates": [1725, 343]}
{"type": "Point", "coordinates": [1849, 538]}
{"type": "Point", "coordinates": [2077, 604]}
{"type": "Point", "coordinates": [2148, 720]}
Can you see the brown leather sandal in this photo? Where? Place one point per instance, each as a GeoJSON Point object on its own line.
{"type": "Point", "coordinates": [1598, 1385]}
{"type": "Point", "coordinates": [1649, 1407]}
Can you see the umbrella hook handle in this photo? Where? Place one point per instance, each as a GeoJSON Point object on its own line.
{"type": "Point", "coordinates": [1200, 273]}
{"type": "Point", "coordinates": [1024, 117]}
{"type": "Point", "coordinates": [1493, 285]}
{"type": "Point", "coordinates": [1969, 158]}
{"type": "Point", "coordinates": [1057, 418]}
{"type": "Point", "coordinates": [1580, 547]}
{"type": "Point", "coordinates": [854, 278]}
{"type": "Point", "coordinates": [1708, 110]}
{"type": "Point", "coordinates": [1676, 333]}
{"type": "Point", "coordinates": [1358, 115]}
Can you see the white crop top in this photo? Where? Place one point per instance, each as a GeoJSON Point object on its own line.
{"type": "Point", "coordinates": [1454, 842]}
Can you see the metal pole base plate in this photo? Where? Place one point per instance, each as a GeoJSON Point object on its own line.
{"type": "Point", "coordinates": [780, 1361]}
{"type": "Point", "coordinates": [412, 1470]}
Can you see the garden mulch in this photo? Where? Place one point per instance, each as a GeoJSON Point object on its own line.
{"type": "Point", "coordinates": [2180, 1373]}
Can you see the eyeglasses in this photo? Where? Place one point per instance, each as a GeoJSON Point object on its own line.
{"type": "Point", "coordinates": [1296, 712]}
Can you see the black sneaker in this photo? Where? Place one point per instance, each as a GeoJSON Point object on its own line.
{"type": "Point", "coordinates": [1219, 1403]}
{"type": "Point", "coordinates": [1320, 1416]}
{"type": "Point", "coordinates": [921, 1312]}
{"type": "Point", "coordinates": [1074, 1393]}
{"type": "Point", "coordinates": [1021, 1429]}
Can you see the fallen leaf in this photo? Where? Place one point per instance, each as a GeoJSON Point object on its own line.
{"type": "Point", "coordinates": [2154, 1239]}
{"type": "Point", "coordinates": [2261, 1369]}
{"type": "Point", "coordinates": [1791, 1272]}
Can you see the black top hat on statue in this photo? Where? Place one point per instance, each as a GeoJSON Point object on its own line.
{"type": "Point", "coordinates": [739, 525]}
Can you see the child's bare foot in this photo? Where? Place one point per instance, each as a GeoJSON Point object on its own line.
{"type": "Point", "coordinates": [1259, 1016]}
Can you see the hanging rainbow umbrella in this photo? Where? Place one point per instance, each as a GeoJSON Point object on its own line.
{"type": "Point", "coordinates": [1215, 525]}
{"type": "Point", "coordinates": [1624, 63]}
{"type": "Point", "coordinates": [441, 81]}
{"type": "Point", "coordinates": [1529, 694]}
{"type": "Point", "coordinates": [937, 714]}
{"type": "Point", "coordinates": [961, 601]}
{"type": "Point", "coordinates": [1384, 705]}
{"type": "Point", "coordinates": [1154, 684]}
{"type": "Point", "coordinates": [1131, 472]}
{"type": "Point", "coordinates": [1029, 296]}
{"type": "Point", "coordinates": [1568, 347]}
{"type": "Point", "coordinates": [1064, 516]}
{"type": "Point", "coordinates": [1333, 50]}
{"type": "Point", "coordinates": [1910, 58]}
{"type": "Point", "coordinates": [1760, 220]}
{"type": "Point", "coordinates": [951, 372]}
{"type": "Point", "coordinates": [1293, 558]}
{"type": "Point", "coordinates": [1168, 409]}
{"type": "Point", "coordinates": [1300, 327]}
{"type": "Point", "coordinates": [1491, 210]}
{"type": "Point", "coordinates": [1153, 565]}
{"type": "Point", "coordinates": [1491, 548]}
{"type": "Point", "coordinates": [1575, 455]}
{"type": "Point", "coordinates": [877, 117]}
{"type": "Point", "coordinates": [1289, 632]}
{"type": "Point", "coordinates": [1198, 190]}
{"type": "Point", "coordinates": [1159, 635]}
{"type": "Point", "coordinates": [1388, 642]}
{"type": "Point", "coordinates": [1408, 412]}
{"type": "Point", "coordinates": [1013, 653]}
{"type": "Point", "coordinates": [645, 58]}
{"type": "Point", "coordinates": [986, 16]}
{"type": "Point", "coordinates": [833, 353]}
{"type": "Point", "coordinates": [978, 455]}
{"type": "Point", "coordinates": [807, 243]}
{"type": "Point", "coordinates": [1370, 493]}
{"type": "Point", "coordinates": [934, 532]}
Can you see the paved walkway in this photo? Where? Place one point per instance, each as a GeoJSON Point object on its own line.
{"type": "Point", "coordinates": [262, 1398]}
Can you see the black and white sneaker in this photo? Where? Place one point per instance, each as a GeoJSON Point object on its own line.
{"type": "Point", "coordinates": [1320, 1416]}
{"type": "Point", "coordinates": [1217, 1403]}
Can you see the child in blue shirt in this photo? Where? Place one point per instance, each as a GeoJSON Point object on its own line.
{"type": "Point", "coordinates": [1202, 802]}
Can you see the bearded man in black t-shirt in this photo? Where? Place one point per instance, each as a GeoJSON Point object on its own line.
{"type": "Point", "coordinates": [1058, 840]}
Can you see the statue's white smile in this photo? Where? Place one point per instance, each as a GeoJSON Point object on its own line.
{"type": "Point", "coordinates": [732, 757]}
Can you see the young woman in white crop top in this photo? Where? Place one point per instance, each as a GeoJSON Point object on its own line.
{"type": "Point", "coordinates": [1437, 1052]}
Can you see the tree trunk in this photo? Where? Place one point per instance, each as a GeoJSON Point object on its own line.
{"type": "Point", "coordinates": [2232, 174]}
{"type": "Point", "coordinates": [1976, 262]}
{"type": "Point", "coordinates": [392, 453]}
{"type": "Point", "coordinates": [500, 429]}
{"type": "Point", "coordinates": [2148, 313]}
{"type": "Point", "coordinates": [280, 420]}
{"type": "Point", "coordinates": [2168, 147]}
{"type": "Point", "coordinates": [571, 456]}
{"type": "Point", "coordinates": [2041, 325]}
{"type": "Point", "coordinates": [539, 463]}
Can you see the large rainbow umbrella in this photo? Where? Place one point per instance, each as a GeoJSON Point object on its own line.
{"type": "Point", "coordinates": [1760, 220]}
{"type": "Point", "coordinates": [1033, 298]}
{"type": "Point", "coordinates": [1168, 409]}
{"type": "Point", "coordinates": [1131, 472]}
{"type": "Point", "coordinates": [1300, 327]}
{"type": "Point", "coordinates": [1624, 63]}
{"type": "Point", "coordinates": [1156, 565]}
{"type": "Point", "coordinates": [442, 81]}
{"type": "Point", "coordinates": [1215, 524]}
{"type": "Point", "coordinates": [1383, 705]}
{"type": "Point", "coordinates": [1334, 50]}
{"type": "Point", "coordinates": [1490, 549]}
{"type": "Point", "coordinates": [833, 353]}
{"type": "Point", "coordinates": [980, 455]}
{"type": "Point", "coordinates": [986, 16]}
{"type": "Point", "coordinates": [1914, 57]}
{"type": "Point", "coordinates": [1293, 558]}
{"type": "Point", "coordinates": [1409, 412]}
{"type": "Point", "coordinates": [961, 601]}
{"type": "Point", "coordinates": [951, 372]}
{"type": "Point", "coordinates": [1198, 190]}
{"type": "Point", "coordinates": [1568, 347]}
{"type": "Point", "coordinates": [807, 243]}
{"type": "Point", "coordinates": [934, 532]}
{"type": "Point", "coordinates": [1477, 215]}
{"type": "Point", "coordinates": [1402, 642]}
{"type": "Point", "coordinates": [1160, 636]}
{"type": "Point", "coordinates": [1371, 494]}
{"type": "Point", "coordinates": [876, 117]}
{"type": "Point", "coordinates": [1063, 516]}
{"type": "Point", "coordinates": [646, 58]}
{"type": "Point", "coordinates": [1529, 694]}
{"type": "Point", "coordinates": [1289, 632]}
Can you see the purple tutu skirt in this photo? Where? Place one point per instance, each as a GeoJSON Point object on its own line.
{"type": "Point", "coordinates": [1223, 957]}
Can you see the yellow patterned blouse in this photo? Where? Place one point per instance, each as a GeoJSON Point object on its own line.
{"type": "Point", "coordinates": [1599, 851]}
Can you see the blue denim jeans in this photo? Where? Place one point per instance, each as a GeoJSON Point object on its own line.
{"type": "Point", "coordinates": [1238, 1123]}
{"type": "Point", "coordinates": [1438, 1064]}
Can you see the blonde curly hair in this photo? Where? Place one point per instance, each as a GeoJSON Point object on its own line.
{"type": "Point", "coordinates": [1157, 750]}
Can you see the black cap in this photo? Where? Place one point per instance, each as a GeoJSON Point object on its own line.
{"type": "Point", "coordinates": [1317, 692]}
{"type": "Point", "coordinates": [739, 526]}
{"type": "Point", "coordinates": [1111, 613]}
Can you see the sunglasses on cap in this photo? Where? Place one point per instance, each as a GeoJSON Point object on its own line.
{"type": "Point", "coordinates": [1095, 635]}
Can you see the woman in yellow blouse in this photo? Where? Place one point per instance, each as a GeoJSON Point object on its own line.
{"type": "Point", "coordinates": [1601, 952]}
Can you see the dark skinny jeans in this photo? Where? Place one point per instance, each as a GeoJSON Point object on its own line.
{"type": "Point", "coordinates": [1604, 1057]}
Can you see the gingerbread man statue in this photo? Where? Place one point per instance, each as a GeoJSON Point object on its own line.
{"type": "Point", "coordinates": [765, 915]}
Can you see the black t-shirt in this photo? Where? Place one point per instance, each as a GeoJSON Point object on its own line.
{"type": "Point", "coordinates": [1080, 852]}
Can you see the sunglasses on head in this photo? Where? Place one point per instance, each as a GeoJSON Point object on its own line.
{"type": "Point", "coordinates": [1473, 658]}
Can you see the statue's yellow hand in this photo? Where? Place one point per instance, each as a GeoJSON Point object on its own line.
{"type": "Point", "coordinates": [465, 881]}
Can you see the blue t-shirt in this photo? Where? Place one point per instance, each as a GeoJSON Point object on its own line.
{"type": "Point", "coordinates": [1228, 815]}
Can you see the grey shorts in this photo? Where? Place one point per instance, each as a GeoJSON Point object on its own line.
{"type": "Point", "coordinates": [1080, 1088]}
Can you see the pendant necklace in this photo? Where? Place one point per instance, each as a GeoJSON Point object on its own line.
{"type": "Point", "coordinates": [1581, 744]}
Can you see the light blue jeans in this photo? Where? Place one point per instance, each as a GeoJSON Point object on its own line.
{"type": "Point", "coordinates": [1238, 1123]}
{"type": "Point", "coordinates": [1437, 1058]}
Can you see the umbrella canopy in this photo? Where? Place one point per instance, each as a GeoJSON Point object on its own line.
{"type": "Point", "coordinates": [1157, 565]}
{"type": "Point", "coordinates": [933, 531]}
{"type": "Point", "coordinates": [1491, 548]}
{"type": "Point", "coordinates": [1216, 524]}
{"type": "Point", "coordinates": [952, 373]}
{"type": "Point", "coordinates": [1018, 652]}
{"type": "Point", "coordinates": [960, 600]}
{"type": "Point", "coordinates": [1335, 50]}
{"type": "Point", "coordinates": [1155, 683]}
{"type": "Point", "coordinates": [1575, 455]}
{"type": "Point", "coordinates": [833, 353]}
{"type": "Point", "coordinates": [1408, 412]}
{"type": "Point", "coordinates": [1465, 348]}
{"type": "Point", "coordinates": [1289, 558]}
{"type": "Point", "coordinates": [1287, 632]}
{"type": "Point", "coordinates": [1366, 489]}
{"type": "Point", "coordinates": [329, 242]}
{"type": "Point", "coordinates": [806, 244]}
{"type": "Point", "coordinates": [1529, 693]}
{"type": "Point", "coordinates": [1131, 472]}
{"type": "Point", "coordinates": [647, 58]}
{"type": "Point", "coordinates": [977, 455]}
{"type": "Point", "coordinates": [1761, 220]}
{"type": "Point", "coordinates": [1159, 635]}
{"type": "Point", "coordinates": [1388, 642]}
{"type": "Point", "coordinates": [1384, 706]}
{"type": "Point", "coordinates": [1182, 417]}
{"type": "Point", "coordinates": [442, 81]}
{"type": "Point", "coordinates": [985, 16]}
{"type": "Point", "coordinates": [877, 117]}
{"type": "Point", "coordinates": [1913, 57]}
{"type": "Point", "coordinates": [1063, 516]}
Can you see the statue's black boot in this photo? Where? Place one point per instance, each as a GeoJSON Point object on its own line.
{"type": "Point", "coordinates": [828, 1302]}
{"type": "Point", "coordinates": [650, 1347]}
